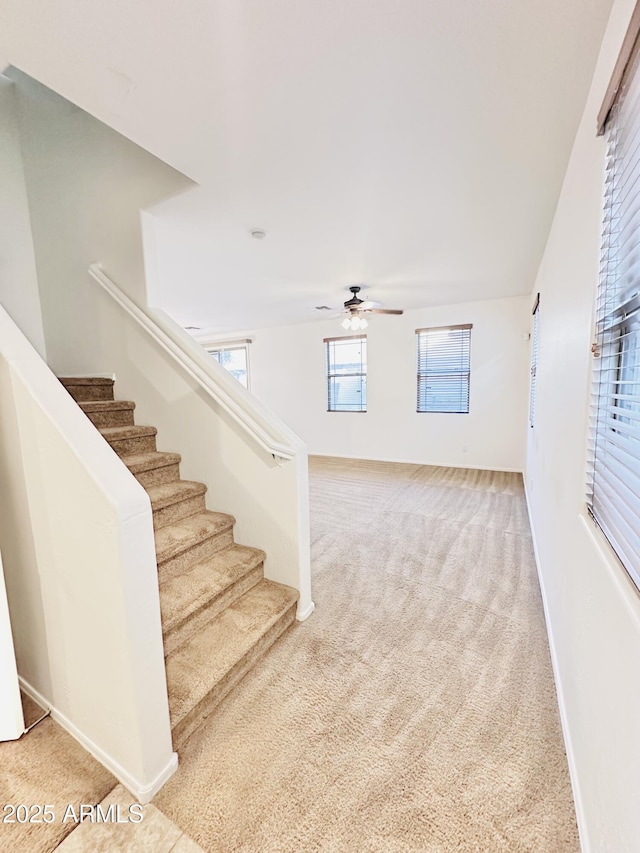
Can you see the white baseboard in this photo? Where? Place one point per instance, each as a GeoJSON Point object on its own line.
{"type": "Point", "coordinates": [301, 615]}
{"type": "Point", "coordinates": [143, 792]}
{"type": "Point", "coordinates": [585, 844]}
{"type": "Point", "coordinates": [414, 462]}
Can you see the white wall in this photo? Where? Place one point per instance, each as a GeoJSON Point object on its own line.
{"type": "Point", "coordinates": [79, 559]}
{"type": "Point", "coordinates": [18, 281]}
{"type": "Point", "coordinates": [593, 611]}
{"type": "Point", "coordinates": [11, 716]}
{"type": "Point", "coordinates": [269, 500]}
{"type": "Point", "coordinates": [86, 185]}
{"type": "Point", "coordinates": [288, 374]}
{"type": "Point", "coordinates": [76, 528]}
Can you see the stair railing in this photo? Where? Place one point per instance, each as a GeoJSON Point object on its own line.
{"type": "Point", "coordinates": [245, 409]}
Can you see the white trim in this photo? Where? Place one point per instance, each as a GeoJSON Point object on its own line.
{"type": "Point", "coordinates": [210, 343]}
{"type": "Point", "coordinates": [91, 376]}
{"type": "Point", "coordinates": [142, 792]}
{"type": "Point", "coordinates": [11, 716]}
{"type": "Point", "coordinates": [585, 844]}
{"type": "Point", "coordinates": [624, 583]}
{"type": "Point", "coordinates": [301, 615]}
{"type": "Point", "coordinates": [416, 462]}
{"type": "Point", "coordinates": [265, 429]}
{"type": "Point", "coordinates": [34, 694]}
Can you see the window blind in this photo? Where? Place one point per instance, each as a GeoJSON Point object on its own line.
{"type": "Point", "coordinates": [235, 359]}
{"type": "Point", "coordinates": [444, 362]}
{"type": "Point", "coordinates": [346, 370]}
{"type": "Point", "coordinates": [614, 447]}
{"type": "Point", "coordinates": [534, 360]}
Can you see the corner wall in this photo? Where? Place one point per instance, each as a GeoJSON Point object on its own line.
{"type": "Point", "coordinates": [92, 192]}
{"type": "Point", "coordinates": [86, 186]}
{"type": "Point", "coordinates": [18, 281]}
{"type": "Point", "coordinates": [79, 559]}
{"type": "Point", "coordinates": [592, 608]}
{"type": "Point", "coordinates": [268, 500]}
{"type": "Point", "coordinates": [288, 375]}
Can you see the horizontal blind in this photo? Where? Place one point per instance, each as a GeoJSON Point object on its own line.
{"type": "Point", "coordinates": [346, 370]}
{"type": "Point", "coordinates": [614, 446]}
{"type": "Point", "coordinates": [443, 363]}
{"type": "Point", "coordinates": [236, 361]}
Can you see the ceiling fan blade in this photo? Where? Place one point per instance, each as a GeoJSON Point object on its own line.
{"type": "Point", "coordinates": [384, 310]}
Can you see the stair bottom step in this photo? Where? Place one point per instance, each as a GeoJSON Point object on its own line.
{"type": "Point", "coordinates": [208, 666]}
{"type": "Point", "coordinates": [196, 618]}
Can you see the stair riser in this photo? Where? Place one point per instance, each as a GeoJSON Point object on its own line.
{"type": "Point", "coordinates": [196, 554]}
{"type": "Point", "coordinates": [132, 446]}
{"type": "Point", "coordinates": [115, 418]}
{"type": "Point", "coordinates": [197, 620]}
{"type": "Point", "coordinates": [90, 393]}
{"type": "Point", "coordinates": [157, 476]}
{"type": "Point", "coordinates": [202, 637]}
{"type": "Point", "coordinates": [209, 703]}
{"type": "Point", "coordinates": [177, 511]}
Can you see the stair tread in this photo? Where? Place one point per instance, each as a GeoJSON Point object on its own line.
{"type": "Point", "coordinates": [195, 668]}
{"type": "Point", "coordinates": [138, 462]}
{"type": "Point", "coordinates": [85, 380]}
{"type": "Point", "coordinates": [166, 494]}
{"type": "Point", "coordinates": [175, 538]}
{"type": "Point", "coordinates": [219, 614]}
{"type": "Point", "coordinates": [186, 593]}
{"type": "Point", "coordinates": [120, 432]}
{"type": "Point", "coordinates": [106, 405]}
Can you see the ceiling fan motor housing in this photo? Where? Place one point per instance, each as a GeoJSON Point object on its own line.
{"type": "Point", "coordinates": [354, 306]}
{"type": "Point", "coordinates": [354, 301]}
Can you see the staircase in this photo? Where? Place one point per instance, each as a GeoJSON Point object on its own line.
{"type": "Point", "coordinates": [219, 613]}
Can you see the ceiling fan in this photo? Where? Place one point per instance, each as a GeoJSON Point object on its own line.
{"type": "Point", "coordinates": [355, 307]}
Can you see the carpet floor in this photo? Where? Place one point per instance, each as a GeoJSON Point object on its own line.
{"type": "Point", "coordinates": [415, 710]}
{"type": "Point", "coordinates": [45, 767]}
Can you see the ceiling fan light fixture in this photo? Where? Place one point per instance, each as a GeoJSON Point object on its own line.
{"type": "Point", "coordinates": [354, 322]}
{"type": "Point", "coordinates": [355, 307]}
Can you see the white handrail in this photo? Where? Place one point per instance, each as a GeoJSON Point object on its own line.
{"type": "Point", "coordinates": [267, 430]}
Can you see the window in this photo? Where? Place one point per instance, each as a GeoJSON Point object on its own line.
{"type": "Point", "coordinates": [614, 470]}
{"type": "Point", "coordinates": [534, 360]}
{"type": "Point", "coordinates": [235, 358]}
{"type": "Point", "coordinates": [346, 364]}
{"type": "Point", "coordinates": [444, 357]}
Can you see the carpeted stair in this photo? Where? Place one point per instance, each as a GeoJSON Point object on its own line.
{"type": "Point", "coordinates": [219, 613]}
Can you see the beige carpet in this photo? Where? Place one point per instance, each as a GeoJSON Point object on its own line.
{"type": "Point", "coordinates": [415, 711]}
{"type": "Point", "coordinates": [46, 767]}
